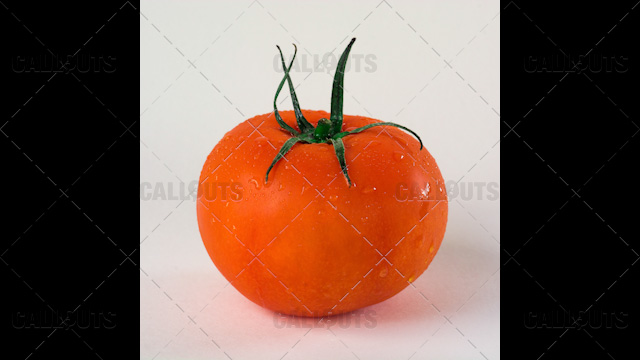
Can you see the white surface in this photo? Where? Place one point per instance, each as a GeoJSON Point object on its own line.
{"type": "Point", "coordinates": [203, 64]}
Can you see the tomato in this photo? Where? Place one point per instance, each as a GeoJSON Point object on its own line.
{"type": "Point", "coordinates": [334, 227]}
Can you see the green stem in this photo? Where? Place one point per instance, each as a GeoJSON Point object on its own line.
{"type": "Point", "coordinates": [322, 130]}
{"type": "Point", "coordinates": [303, 124]}
{"type": "Point", "coordinates": [283, 151]}
{"type": "Point", "coordinates": [360, 129]}
{"type": "Point", "coordinates": [338, 90]}
{"type": "Point", "coordinates": [281, 122]}
{"type": "Point", "coordinates": [338, 146]}
{"type": "Point", "coordinates": [327, 130]}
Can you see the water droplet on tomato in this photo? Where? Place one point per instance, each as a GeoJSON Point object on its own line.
{"type": "Point", "coordinates": [398, 156]}
{"type": "Point", "coordinates": [384, 272]}
{"type": "Point", "coordinates": [261, 140]}
{"type": "Point", "coordinates": [369, 189]}
{"type": "Point", "coordinates": [255, 183]}
{"type": "Point", "coordinates": [333, 197]}
{"type": "Point", "coordinates": [281, 186]}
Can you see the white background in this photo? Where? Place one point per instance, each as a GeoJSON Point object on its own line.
{"type": "Point", "coordinates": [207, 66]}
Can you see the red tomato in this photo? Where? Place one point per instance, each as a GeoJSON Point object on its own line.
{"type": "Point", "coordinates": [319, 238]}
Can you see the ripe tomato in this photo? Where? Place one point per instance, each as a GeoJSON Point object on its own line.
{"type": "Point", "coordinates": [315, 239]}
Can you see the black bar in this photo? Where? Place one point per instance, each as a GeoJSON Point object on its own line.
{"type": "Point", "coordinates": [570, 139]}
{"type": "Point", "coordinates": [69, 139]}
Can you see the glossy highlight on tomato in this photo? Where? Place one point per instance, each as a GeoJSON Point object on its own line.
{"type": "Point", "coordinates": [332, 228]}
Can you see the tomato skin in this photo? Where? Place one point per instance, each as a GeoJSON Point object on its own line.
{"type": "Point", "coordinates": [307, 244]}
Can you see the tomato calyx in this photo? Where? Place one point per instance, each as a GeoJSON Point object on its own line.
{"type": "Point", "coordinates": [327, 130]}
